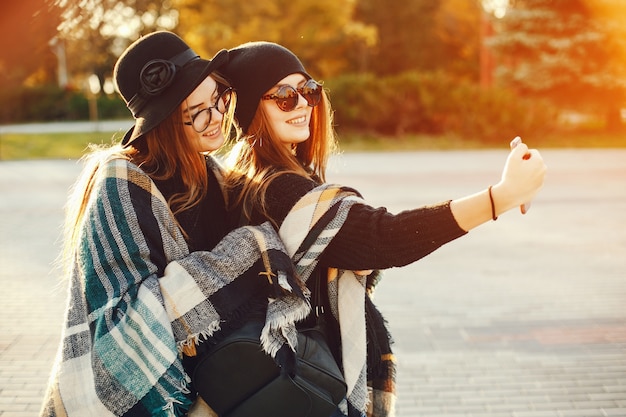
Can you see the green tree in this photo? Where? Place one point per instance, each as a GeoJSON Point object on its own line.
{"type": "Point", "coordinates": [406, 33]}
{"type": "Point", "coordinates": [321, 33]}
{"type": "Point", "coordinates": [457, 41]}
{"type": "Point", "coordinates": [566, 51]}
{"type": "Point", "coordinates": [424, 35]}
{"type": "Point", "coordinates": [97, 31]}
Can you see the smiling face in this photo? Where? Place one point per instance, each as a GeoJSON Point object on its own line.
{"type": "Point", "coordinates": [200, 99]}
{"type": "Point", "coordinates": [289, 127]}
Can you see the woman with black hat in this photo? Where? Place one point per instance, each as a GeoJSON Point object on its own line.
{"type": "Point", "coordinates": [149, 255]}
{"type": "Point", "coordinates": [278, 174]}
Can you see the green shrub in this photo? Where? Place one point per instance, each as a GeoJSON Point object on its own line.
{"type": "Point", "coordinates": [9, 98]}
{"type": "Point", "coordinates": [25, 104]}
{"type": "Point", "coordinates": [109, 107]}
{"type": "Point", "coordinates": [355, 99]}
{"type": "Point", "coordinates": [434, 103]}
{"type": "Point", "coordinates": [112, 107]}
{"type": "Point", "coordinates": [406, 103]}
{"type": "Point", "coordinates": [50, 103]}
{"type": "Point", "coordinates": [495, 113]}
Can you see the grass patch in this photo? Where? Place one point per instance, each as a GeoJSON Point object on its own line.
{"type": "Point", "coordinates": [18, 146]}
{"type": "Point", "coordinates": [367, 142]}
{"type": "Point", "coordinates": [582, 139]}
{"type": "Point", "coordinates": [364, 142]}
{"type": "Point", "coordinates": [72, 145]}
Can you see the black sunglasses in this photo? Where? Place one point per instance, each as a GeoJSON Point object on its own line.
{"type": "Point", "coordinates": [286, 96]}
{"type": "Point", "coordinates": [201, 120]}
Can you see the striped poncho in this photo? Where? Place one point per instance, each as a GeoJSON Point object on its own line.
{"type": "Point", "coordinates": [306, 231]}
{"type": "Point", "coordinates": [137, 297]}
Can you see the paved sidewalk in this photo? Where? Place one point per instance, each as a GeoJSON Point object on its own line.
{"type": "Point", "coordinates": [69, 127]}
{"type": "Point", "coordinates": [523, 317]}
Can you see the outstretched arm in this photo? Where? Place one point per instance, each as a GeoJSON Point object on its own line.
{"type": "Point", "coordinates": [372, 238]}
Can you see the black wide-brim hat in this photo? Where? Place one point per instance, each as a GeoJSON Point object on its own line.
{"type": "Point", "coordinates": [155, 75]}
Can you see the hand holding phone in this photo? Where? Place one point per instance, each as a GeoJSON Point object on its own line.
{"type": "Point", "coordinates": [516, 141]}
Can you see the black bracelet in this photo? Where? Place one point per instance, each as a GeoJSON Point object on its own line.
{"type": "Point", "coordinates": [493, 206]}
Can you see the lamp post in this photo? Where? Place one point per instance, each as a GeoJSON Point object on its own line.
{"type": "Point", "coordinates": [94, 88]}
{"type": "Point", "coordinates": [58, 48]}
{"type": "Point", "coordinates": [490, 9]}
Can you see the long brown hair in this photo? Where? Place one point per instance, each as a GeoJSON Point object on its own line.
{"type": "Point", "coordinates": [162, 153]}
{"type": "Point", "coordinates": [165, 152]}
{"type": "Point", "coordinates": [258, 157]}
{"type": "Point", "coordinates": [162, 159]}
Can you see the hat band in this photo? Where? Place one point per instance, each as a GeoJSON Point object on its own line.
{"type": "Point", "coordinates": [156, 76]}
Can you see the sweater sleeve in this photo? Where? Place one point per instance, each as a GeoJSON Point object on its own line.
{"type": "Point", "coordinates": [372, 238]}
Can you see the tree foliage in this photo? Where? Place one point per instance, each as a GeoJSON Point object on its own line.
{"type": "Point", "coordinates": [458, 35]}
{"type": "Point", "coordinates": [97, 31]}
{"type": "Point", "coordinates": [321, 33]}
{"type": "Point", "coordinates": [404, 34]}
{"type": "Point", "coordinates": [422, 35]}
{"type": "Point", "coordinates": [570, 51]}
{"type": "Point", "coordinates": [330, 36]}
{"type": "Point", "coordinates": [336, 36]}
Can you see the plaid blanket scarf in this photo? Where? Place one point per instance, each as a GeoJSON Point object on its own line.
{"type": "Point", "coordinates": [137, 297]}
{"type": "Point", "coordinates": [306, 231]}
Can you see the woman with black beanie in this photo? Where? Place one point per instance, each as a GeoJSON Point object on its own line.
{"type": "Point", "coordinates": [278, 174]}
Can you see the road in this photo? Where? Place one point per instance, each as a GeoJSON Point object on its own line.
{"type": "Point", "coordinates": [523, 317]}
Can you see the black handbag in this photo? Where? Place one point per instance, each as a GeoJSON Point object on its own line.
{"type": "Point", "coordinates": [236, 378]}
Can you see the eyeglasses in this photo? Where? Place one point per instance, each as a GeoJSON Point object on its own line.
{"type": "Point", "coordinates": [287, 96]}
{"type": "Point", "coordinates": [201, 120]}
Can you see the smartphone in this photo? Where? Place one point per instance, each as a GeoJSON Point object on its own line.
{"type": "Point", "coordinates": [516, 141]}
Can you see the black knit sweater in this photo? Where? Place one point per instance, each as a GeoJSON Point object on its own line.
{"type": "Point", "coordinates": [207, 222]}
{"type": "Point", "coordinates": [371, 238]}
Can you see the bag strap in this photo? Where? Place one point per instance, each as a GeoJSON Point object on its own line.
{"type": "Point", "coordinates": [317, 300]}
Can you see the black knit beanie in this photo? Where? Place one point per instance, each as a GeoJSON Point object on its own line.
{"type": "Point", "coordinates": [253, 69]}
